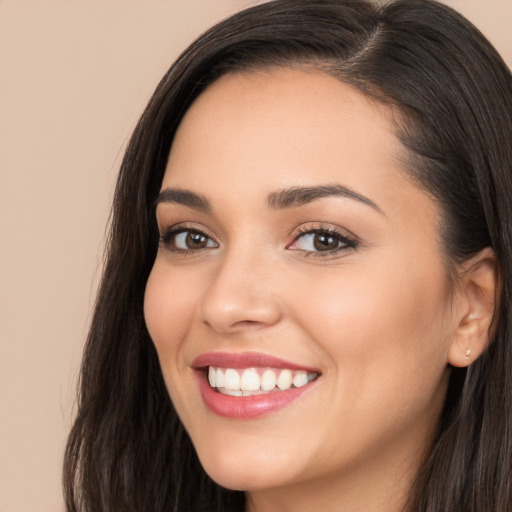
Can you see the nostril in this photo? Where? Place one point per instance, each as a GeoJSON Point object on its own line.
{"type": "Point", "coordinates": [238, 315]}
{"type": "Point", "coordinates": [248, 324]}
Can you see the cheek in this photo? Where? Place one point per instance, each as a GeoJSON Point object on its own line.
{"type": "Point", "coordinates": [382, 326]}
{"type": "Point", "coordinates": [169, 306]}
{"type": "Point", "coordinates": [387, 350]}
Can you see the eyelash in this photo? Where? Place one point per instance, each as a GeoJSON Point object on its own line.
{"type": "Point", "coordinates": [347, 243]}
{"type": "Point", "coordinates": [169, 235]}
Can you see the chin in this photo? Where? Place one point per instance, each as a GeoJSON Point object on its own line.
{"type": "Point", "coordinates": [238, 479]}
{"type": "Point", "coordinates": [247, 472]}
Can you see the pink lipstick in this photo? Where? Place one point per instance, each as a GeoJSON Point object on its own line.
{"type": "Point", "coordinates": [250, 385]}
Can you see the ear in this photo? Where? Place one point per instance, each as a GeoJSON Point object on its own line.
{"type": "Point", "coordinates": [478, 289]}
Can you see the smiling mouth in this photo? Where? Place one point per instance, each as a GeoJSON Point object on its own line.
{"type": "Point", "coordinates": [256, 381]}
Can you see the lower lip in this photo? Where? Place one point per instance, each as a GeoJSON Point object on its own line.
{"type": "Point", "coordinates": [248, 407]}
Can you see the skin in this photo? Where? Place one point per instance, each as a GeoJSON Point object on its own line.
{"type": "Point", "coordinates": [381, 321]}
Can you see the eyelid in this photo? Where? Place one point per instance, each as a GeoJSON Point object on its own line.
{"type": "Point", "coordinates": [172, 231]}
{"type": "Point", "coordinates": [348, 239]}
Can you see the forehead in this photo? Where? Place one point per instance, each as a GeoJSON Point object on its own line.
{"type": "Point", "coordinates": [252, 133]}
{"type": "Point", "coordinates": [292, 124]}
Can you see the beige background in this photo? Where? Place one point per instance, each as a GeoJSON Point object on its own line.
{"type": "Point", "coordinates": [74, 77]}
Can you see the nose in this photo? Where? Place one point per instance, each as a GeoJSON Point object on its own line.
{"type": "Point", "coordinates": [241, 295]}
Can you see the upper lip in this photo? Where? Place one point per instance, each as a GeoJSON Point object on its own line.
{"type": "Point", "coordinates": [246, 360]}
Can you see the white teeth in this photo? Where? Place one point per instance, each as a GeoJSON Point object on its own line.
{"type": "Point", "coordinates": [256, 381]}
{"type": "Point", "coordinates": [285, 379]}
{"type": "Point", "coordinates": [268, 380]}
{"type": "Point", "coordinates": [231, 392]}
{"type": "Point", "coordinates": [300, 379]}
{"type": "Point", "coordinates": [219, 378]}
{"type": "Point", "coordinates": [252, 393]}
{"type": "Point", "coordinates": [231, 379]}
{"type": "Point", "coordinates": [211, 376]}
{"type": "Point", "coordinates": [250, 380]}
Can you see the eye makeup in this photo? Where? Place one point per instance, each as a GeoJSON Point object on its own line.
{"type": "Point", "coordinates": [318, 240]}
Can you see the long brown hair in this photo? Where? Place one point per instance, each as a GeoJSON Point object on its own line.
{"type": "Point", "coordinates": [452, 95]}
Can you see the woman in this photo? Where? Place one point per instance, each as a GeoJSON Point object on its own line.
{"type": "Point", "coordinates": [310, 255]}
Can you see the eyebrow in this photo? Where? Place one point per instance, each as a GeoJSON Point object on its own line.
{"type": "Point", "coordinates": [298, 196]}
{"type": "Point", "coordinates": [281, 199]}
{"type": "Point", "coordinates": [185, 198]}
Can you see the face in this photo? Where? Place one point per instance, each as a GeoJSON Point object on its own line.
{"type": "Point", "coordinates": [295, 253]}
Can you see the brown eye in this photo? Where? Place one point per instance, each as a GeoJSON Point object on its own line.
{"type": "Point", "coordinates": [187, 240]}
{"type": "Point", "coordinates": [325, 242]}
{"type": "Point", "coordinates": [195, 240]}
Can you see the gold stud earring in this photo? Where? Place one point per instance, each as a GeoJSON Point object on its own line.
{"type": "Point", "coordinates": [468, 352]}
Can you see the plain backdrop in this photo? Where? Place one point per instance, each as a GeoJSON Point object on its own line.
{"type": "Point", "coordinates": [74, 77]}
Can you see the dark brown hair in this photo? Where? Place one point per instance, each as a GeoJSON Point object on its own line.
{"type": "Point", "coordinates": [452, 98]}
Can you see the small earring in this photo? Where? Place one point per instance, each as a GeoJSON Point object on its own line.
{"type": "Point", "coordinates": [468, 352]}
